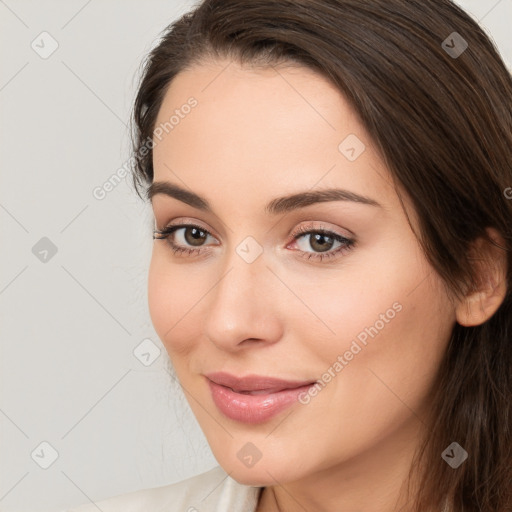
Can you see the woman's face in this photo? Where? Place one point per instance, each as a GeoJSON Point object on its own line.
{"type": "Point", "coordinates": [369, 322]}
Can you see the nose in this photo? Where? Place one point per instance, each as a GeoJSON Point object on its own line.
{"type": "Point", "coordinates": [244, 306]}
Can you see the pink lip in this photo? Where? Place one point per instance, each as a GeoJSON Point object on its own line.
{"type": "Point", "coordinates": [271, 396]}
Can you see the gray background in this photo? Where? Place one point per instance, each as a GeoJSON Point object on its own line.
{"type": "Point", "coordinates": [70, 321]}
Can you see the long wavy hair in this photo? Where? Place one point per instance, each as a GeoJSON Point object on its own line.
{"type": "Point", "coordinates": [442, 122]}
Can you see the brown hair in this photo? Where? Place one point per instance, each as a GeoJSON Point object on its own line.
{"type": "Point", "coordinates": [443, 125]}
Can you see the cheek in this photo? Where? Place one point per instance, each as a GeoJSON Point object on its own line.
{"type": "Point", "coordinates": [389, 319]}
{"type": "Point", "coordinates": [357, 302]}
{"type": "Point", "coordinates": [396, 366]}
{"type": "Point", "coordinates": [172, 294]}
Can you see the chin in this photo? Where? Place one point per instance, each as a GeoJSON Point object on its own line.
{"type": "Point", "coordinates": [257, 476]}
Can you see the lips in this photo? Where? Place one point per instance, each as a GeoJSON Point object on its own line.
{"type": "Point", "coordinates": [253, 399]}
{"type": "Point", "coordinates": [255, 384]}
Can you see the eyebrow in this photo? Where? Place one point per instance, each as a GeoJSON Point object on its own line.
{"type": "Point", "coordinates": [274, 207]}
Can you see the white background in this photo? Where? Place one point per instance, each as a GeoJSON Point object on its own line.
{"type": "Point", "coordinates": [69, 326]}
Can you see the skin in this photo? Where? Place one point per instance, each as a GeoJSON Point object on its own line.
{"type": "Point", "coordinates": [257, 134]}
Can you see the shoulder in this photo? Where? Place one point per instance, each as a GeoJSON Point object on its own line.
{"type": "Point", "coordinates": [212, 491]}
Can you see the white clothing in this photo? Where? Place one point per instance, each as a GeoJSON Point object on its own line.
{"type": "Point", "coordinates": [212, 491]}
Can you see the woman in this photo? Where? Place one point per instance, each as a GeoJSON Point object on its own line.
{"type": "Point", "coordinates": [331, 185]}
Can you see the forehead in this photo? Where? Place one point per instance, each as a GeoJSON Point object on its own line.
{"type": "Point", "coordinates": [265, 129]}
{"type": "Point", "coordinates": [287, 100]}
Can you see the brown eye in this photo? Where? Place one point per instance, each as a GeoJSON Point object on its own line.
{"type": "Point", "coordinates": [194, 236]}
{"type": "Point", "coordinates": [325, 244]}
{"type": "Point", "coordinates": [184, 238]}
{"type": "Point", "coordinates": [321, 242]}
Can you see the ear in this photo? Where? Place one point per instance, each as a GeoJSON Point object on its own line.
{"type": "Point", "coordinates": [490, 266]}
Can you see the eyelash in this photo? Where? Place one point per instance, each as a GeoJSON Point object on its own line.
{"type": "Point", "coordinates": [348, 243]}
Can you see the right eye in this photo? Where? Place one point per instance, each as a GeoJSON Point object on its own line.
{"type": "Point", "coordinates": [191, 234]}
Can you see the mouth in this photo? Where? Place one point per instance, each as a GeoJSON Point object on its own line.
{"type": "Point", "coordinates": [254, 399]}
{"type": "Point", "coordinates": [258, 392]}
{"type": "Point", "coordinates": [255, 383]}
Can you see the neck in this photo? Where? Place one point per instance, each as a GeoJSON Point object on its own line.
{"type": "Point", "coordinates": [374, 481]}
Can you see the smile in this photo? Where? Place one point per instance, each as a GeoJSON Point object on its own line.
{"type": "Point", "coordinates": [254, 399]}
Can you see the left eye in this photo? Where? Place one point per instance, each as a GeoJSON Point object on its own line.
{"type": "Point", "coordinates": [321, 241]}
